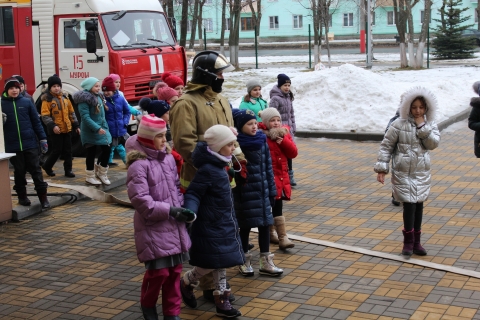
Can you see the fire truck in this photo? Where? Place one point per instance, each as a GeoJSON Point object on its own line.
{"type": "Point", "coordinates": [77, 39]}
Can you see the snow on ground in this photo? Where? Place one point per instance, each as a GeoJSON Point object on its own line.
{"type": "Point", "coordinates": [349, 98]}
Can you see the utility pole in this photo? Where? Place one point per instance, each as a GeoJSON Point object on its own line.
{"type": "Point", "coordinates": [369, 33]}
{"type": "Point", "coordinates": [362, 26]}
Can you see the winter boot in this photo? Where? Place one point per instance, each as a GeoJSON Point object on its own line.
{"type": "Point", "coordinates": [171, 318]}
{"type": "Point", "coordinates": [91, 179]}
{"type": "Point", "coordinates": [208, 295]}
{"type": "Point", "coordinates": [283, 241]}
{"type": "Point", "coordinates": [408, 242]}
{"type": "Point", "coordinates": [273, 235]}
{"type": "Point", "coordinates": [417, 247]}
{"type": "Point", "coordinates": [101, 173]}
{"type": "Point", "coordinates": [292, 179]}
{"type": "Point", "coordinates": [49, 172]}
{"type": "Point", "coordinates": [22, 197]}
{"type": "Point", "coordinates": [186, 289]}
{"type": "Point", "coordinates": [223, 306]}
{"type": "Point", "coordinates": [69, 173]}
{"type": "Point", "coordinates": [149, 313]}
{"type": "Point", "coordinates": [246, 268]}
{"type": "Point", "coordinates": [267, 267]}
{"type": "Point", "coordinates": [42, 196]}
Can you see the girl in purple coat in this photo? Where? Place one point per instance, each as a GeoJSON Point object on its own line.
{"type": "Point", "coordinates": [161, 236]}
{"type": "Point", "coordinates": [281, 98]}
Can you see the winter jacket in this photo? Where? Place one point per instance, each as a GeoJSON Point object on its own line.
{"type": "Point", "coordinates": [22, 129]}
{"type": "Point", "coordinates": [117, 115]}
{"type": "Point", "coordinates": [215, 236]}
{"type": "Point", "coordinates": [395, 117]}
{"type": "Point", "coordinates": [255, 104]}
{"type": "Point", "coordinates": [25, 94]}
{"type": "Point", "coordinates": [474, 124]}
{"type": "Point", "coordinates": [283, 103]}
{"type": "Point", "coordinates": [252, 199]}
{"type": "Point", "coordinates": [153, 187]}
{"type": "Point", "coordinates": [57, 110]}
{"type": "Point", "coordinates": [280, 153]}
{"type": "Point", "coordinates": [198, 109]}
{"type": "Point", "coordinates": [408, 147]}
{"type": "Point", "coordinates": [92, 121]}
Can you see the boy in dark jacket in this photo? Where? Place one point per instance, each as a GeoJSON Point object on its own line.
{"type": "Point", "coordinates": [59, 118]}
{"type": "Point", "coordinates": [21, 130]}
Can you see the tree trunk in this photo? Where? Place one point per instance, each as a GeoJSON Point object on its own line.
{"type": "Point", "coordinates": [200, 23]}
{"type": "Point", "coordinates": [233, 39]}
{"type": "Point", "coordinates": [222, 33]}
{"type": "Point", "coordinates": [478, 14]}
{"type": "Point", "coordinates": [169, 7]}
{"type": "Point", "coordinates": [183, 24]}
{"type": "Point", "coordinates": [317, 31]}
{"type": "Point", "coordinates": [401, 24]}
{"type": "Point", "coordinates": [423, 35]}
{"type": "Point", "coordinates": [325, 18]}
{"type": "Point", "coordinates": [191, 44]}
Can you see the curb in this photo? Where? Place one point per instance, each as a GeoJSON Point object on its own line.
{"type": "Point", "coordinates": [21, 212]}
{"type": "Point", "coordinates": [373, 136]}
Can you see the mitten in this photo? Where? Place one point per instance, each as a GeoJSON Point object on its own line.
{"type": "Point", "coordinates": [182, 214]}
{"type": "Point", "coordinates": [4, 116]}
{"type": "Point", "coordinates": [44, 146]}
{"type": "Point", "coordinates": [272, 201]}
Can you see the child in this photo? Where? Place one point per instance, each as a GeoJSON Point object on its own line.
{"type": "Point", "coordinates": [60, 119]}
{"type": "Point", "coordinates": [282, 148]}
{"type": "Point", "coordinates": [118, 117]}
{"type": "Point", "coordinates": [133, 111]}
{"type": "Point", "coordinates": [281, 98]}
{"type": "Point", "coordinates": [253, 199]}
{"type": "Point", "coordinates": [253, 100]}
{"type": "Point", "coordinates": [215, 240]}
{"type": "Point", "coordinates": [23, 88]}
{"type": "Point", "coordinates": [94, 130]}
{"type": "Point", "coordinates": [474, 118]}
{"type": "Point", "coordinates": [161, 236]}
{"type": "Point", "coordinates": [165, 93]}
{"type": "Point", "coordinates": [407, 142]}
{"type": "Point", "coordinates": [173, 82]}
{"type": "Point", "coordinates": [21, 129]}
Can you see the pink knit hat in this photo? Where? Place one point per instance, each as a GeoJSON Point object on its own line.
{"type": "Point", "coordinates": [114, 76]}
{"type": "Point", "coordinates": [148, 128]}
{"type": "Point", "coordinates": [164, 92]}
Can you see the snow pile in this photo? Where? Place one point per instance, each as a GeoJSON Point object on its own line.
{"type": "Point", "coordinates": [350, 98]}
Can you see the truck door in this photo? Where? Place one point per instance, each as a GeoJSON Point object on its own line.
{"type": "Point", "coordinates": [74, 62]}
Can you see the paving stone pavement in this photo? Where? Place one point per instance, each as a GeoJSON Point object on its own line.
{"type": "Point", "coordinates": [78, 261]}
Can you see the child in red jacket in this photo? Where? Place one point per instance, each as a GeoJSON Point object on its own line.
{"type": "Point", "coordinates": [282, 148]}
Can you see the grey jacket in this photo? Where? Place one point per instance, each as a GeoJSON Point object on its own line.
{"type": "Point", "coordinates": [283, 103]}
{"type": "Point", "coordinates": [408, 147]}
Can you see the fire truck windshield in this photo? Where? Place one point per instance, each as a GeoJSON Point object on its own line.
{"type": "Point", "coordinates": [137, 29]}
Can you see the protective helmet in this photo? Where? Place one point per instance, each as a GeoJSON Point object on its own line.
{"type": "Point", "coordinates": [207, 64]}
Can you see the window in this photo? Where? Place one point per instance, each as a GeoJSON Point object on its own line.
{"type": "Point", "coordinates": [373, 18]}
{"type": "Point", "coordinates": [7, 36]}
{"type": "Point", "coordinates": [75, 35]}
{"type": "Point", "coordinates": [422, 16]}
{"type": "Point", "coordinates": [330, 19]}
{"type": "Point", "coordinates": [390, 18]}
{"type": "Point", "coordinates": [246, 24]}
{"type": "Point", "coordinates": [227, 24]}
{"type": "Point", "coordinates": [208, 24]}
{"type": "Point", "coordinates": [189, 26]}
{"type": "Point", "coordinates": [274, 22]}
{"type": "Point", "coordinates": [348, 19]}
{"type": "Point", "coordinates": [297, 21]}
{"type": "Point", "coordinates": [208, 2]}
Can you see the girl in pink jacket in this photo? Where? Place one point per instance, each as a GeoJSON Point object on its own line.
{"type": "Point", "coordinates": [161, 236]}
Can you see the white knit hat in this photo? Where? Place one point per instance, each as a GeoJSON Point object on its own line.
{"type": "Point", "coordinates": [219, 136]}
{"type": "Point", "coordinates": [268, 114]}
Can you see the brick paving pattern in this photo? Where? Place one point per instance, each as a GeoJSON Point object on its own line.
{"type": "Point", "coordinates": [78, 261]}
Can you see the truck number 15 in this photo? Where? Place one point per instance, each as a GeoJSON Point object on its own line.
{"type": "Point", "coordinates": [78, 62]}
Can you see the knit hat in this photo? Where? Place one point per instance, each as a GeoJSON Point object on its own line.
{"type": "Point", "coordinates": [282, 79]}
{"type": "Point", "coordinates": [240, 117]}
{"type": "Point", "coordinates": [148, 128]}
{"type": "Point", "coordinates": [108, 84]}
{"type": "Point", "coordinates": [114, 76]}
{"type": "Point", "coordinates": [251, 84]}
{"type": "Point", "coordinates": [53, 80]}
{"type": "Point", "coordinates": [268, 114]}
{"type": "Point", "coordinates": [476, 87]}
{"type": "Point", "coordinates": [155, 107]}
{"type": "Point", "coordinates": [88, 83]}
{"type": "Point", "coordinates": [171, 80]}
{"type": "Point", "coordinates": [19, 78]}
{"type": "Point", "coordinates": [11, 82]}
{"type": "Point", "coordinates": [164, 92]}
{"type": "Point", "coordinates": [219, 136]}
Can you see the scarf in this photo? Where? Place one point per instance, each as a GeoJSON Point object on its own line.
{"type": "Point", "coordinates": [248, 142]}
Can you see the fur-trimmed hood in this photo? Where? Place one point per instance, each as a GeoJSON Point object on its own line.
{"type": "Point", "coordinates": [409, 96]}
{"type": "Point", "coordinates": [87, 97]}
{"type": "Point", "coordinates": [475, 102]}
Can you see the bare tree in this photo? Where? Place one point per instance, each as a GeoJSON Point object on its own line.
{"type": "Point", "coordinates": [423, 35]}
{"type": "Point", "coordinates": [400, 15]}
{"type": "Point", "coordinates": [233, 39]}
{"type": "Point", "coordinates": [200, 21]}
{"type": "Point", "coordinates": [478, 14]}
{"type": "Point", "coordinates": [191, 44]}
{"type": "Point", "coordinates": [222, 33]}
{"type": "Point", "coordinates": [184, 23]}
{"type": "Point", "coordinates": [256, 15]}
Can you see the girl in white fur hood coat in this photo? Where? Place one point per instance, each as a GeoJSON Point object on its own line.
{"type": "Point", "coordinates": [408, 142]}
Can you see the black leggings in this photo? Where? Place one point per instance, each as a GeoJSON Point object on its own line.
{"type": "Point", "coordinates": [102, 157]}
{"type": "Point", "coordinates": [263, 238]}
{"type": "Point", "coordinates": [412, 216]}
{"type": "Point", "coordinates": [290, 164]}
{"type": "Point", "coordinates": [277, 208]}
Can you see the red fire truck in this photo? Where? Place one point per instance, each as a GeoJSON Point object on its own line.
{"type": "Point", "coordinates": [77, 39]}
